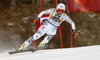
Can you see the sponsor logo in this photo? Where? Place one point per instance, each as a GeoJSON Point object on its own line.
{"type": "Point", "coordinates": [43, 27]}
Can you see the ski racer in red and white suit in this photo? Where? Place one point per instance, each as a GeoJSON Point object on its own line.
{"type": "Point", "coordinates": [49, 25]}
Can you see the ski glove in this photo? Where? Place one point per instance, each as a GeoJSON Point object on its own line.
{"type": "Point", "coordinates": [36, 20]}
{"type": "Point", "coordinates": [74, 33]}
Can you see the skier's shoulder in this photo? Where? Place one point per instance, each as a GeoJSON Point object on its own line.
{"type": "Point", "coordinates": [53, 9]}
{"type": "Point", "coordinates": [64, 14]}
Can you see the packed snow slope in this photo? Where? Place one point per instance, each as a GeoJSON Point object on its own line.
{"type": "Point", "coordinates": [81, 53]}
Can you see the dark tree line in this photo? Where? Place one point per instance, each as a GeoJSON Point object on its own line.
{"type": "Point", "coordinates": [13, 3]}
{"type": "Point", "coordinates": [4, 4]}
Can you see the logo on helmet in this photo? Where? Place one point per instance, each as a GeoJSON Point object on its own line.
{"type": "Point", "coordinates": [61, 6]}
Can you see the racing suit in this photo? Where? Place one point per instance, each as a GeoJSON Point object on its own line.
{"type": "Point", "coordinates": [49, 25]}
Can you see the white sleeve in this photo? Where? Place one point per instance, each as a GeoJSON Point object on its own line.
{"type": "Point", "coordinates": [67, 19]}
{"type": "Point", "coordinates": [44, 12]}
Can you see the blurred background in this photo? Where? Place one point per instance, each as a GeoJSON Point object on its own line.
{"type": "Point", "coordinates": [16, 24]}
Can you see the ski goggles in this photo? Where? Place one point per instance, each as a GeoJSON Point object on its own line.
{"type": "Point", "coordinates": [59, 10]}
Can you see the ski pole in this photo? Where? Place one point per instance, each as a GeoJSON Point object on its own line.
{"type": "Point", "coordinates": [80, 32]}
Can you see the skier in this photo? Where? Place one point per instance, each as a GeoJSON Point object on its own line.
{"type": "Point", "coordinates": [49, 25]}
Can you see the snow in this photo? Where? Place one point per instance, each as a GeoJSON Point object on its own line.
{"type": "Point", "coordinates": [80, 53]}
{"type": "Point", "coordinates": [91, 15]}
{"type": "Point", "coordinates": [26, 18]}
{"type": "Point", "coordinates": [10, 24]}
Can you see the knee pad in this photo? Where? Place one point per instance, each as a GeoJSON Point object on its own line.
{"type": "Point", "coordinates": [48, 38]}
{"type": "Point", "coordinates": [36, 36]}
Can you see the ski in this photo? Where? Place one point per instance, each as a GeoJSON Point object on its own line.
{"type": "Point", "coordinates": [27, 50]}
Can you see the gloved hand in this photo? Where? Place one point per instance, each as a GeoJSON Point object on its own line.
{"type": "Point", "coordinates": [74, 33]}
{"type": "Point", "coordinates": [36, 20]}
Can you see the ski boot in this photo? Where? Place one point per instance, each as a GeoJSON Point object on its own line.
{"type": "Point", "coordinates": [42, 44]}
{"type": "Point", "coordinates": [22, 47]}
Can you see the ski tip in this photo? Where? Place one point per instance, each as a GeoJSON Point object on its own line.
{"type": "Point", "coordinates": [20, 51]}
{"type": "Point", "coordinates": [10, 53]}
